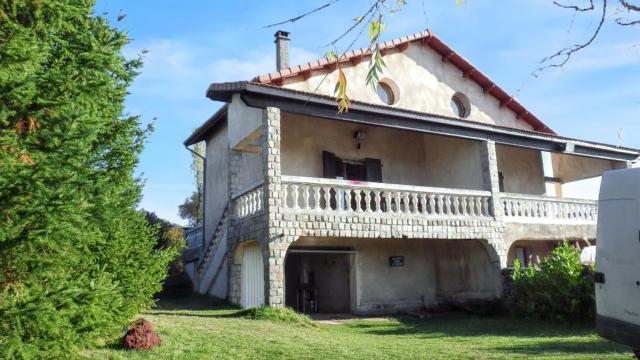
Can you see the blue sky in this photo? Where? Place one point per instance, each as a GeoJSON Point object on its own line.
{"type": "Point", "coordinates": [194, 43]}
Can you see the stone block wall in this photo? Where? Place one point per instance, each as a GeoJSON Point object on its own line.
{"type": "Point", "coordinates": [277, 227]}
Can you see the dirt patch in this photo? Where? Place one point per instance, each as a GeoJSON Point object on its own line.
{"type": "Point", "coordinates": [141, 336]}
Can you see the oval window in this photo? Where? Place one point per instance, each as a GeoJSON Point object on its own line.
{"type": "Point", "coordinates": [460, 105]}
{"type": "Point", "coordinates": [385, 93]}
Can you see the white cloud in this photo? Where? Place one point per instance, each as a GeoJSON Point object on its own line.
{"type": "Point", "coordinates": [604, 57]}
{"type": "Point", "coordinates": [182, 70]}
{"type": "Point", "coordinates": [172, 86]}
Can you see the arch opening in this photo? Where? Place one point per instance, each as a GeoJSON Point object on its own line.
{"type": "Point", "coordinates": [381, 276]}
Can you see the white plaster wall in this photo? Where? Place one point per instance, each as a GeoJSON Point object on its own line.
{"type": "Point", "coordinates": [434, 270]}
{"type": "Point", "coordinates": [217, 179]}
{"type": "Point", "coordinates": [243, 120]}
{"type": "Point", "coordinates": [408, 158]}
{"type": "Point", "coordinates": [571, 168]}
{"type": "Point", "coordinates": [250, 172]}
{"type": "Point", "coordinates": [453, 163]}
{"type": "Point", "coordinates": [522, 170]}
{"type": "Point", "coordinates": [425, 84]}
{"type": "Point", "coordinates": [304, 139]}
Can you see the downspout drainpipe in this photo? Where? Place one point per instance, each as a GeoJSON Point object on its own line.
{"type": "Point", "coordinates": [204, 190]}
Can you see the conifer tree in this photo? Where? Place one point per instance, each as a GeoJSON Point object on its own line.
{"type": "Point", "coordinates": [77, 261]}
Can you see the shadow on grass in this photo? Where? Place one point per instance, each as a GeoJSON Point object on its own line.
{"type": "Point", "coordinates": [195, 306]}
{"type": "Point", "coordinates": [537, 337]}
{"type": "Point", "coordinates": [233, 314]}
{"type": "Point", "coordinates": [457, 324]}
{"type": "Point", "coordinates": [440, 326]}
{"type": "Point", "coordinates": [193, 302]}
{"type": "Point", "coordinates": [599, 347]}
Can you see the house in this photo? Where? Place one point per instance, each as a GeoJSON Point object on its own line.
{"type": "Point", "coordinates": [422, 193]}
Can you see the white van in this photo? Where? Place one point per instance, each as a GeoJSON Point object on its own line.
{"type": "Point", "coordinates": [618, 258]}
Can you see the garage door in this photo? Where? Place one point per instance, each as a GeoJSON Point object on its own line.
{"type": "Point", "coordinates": [252, 277]}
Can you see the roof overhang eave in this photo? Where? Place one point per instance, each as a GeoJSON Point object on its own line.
{"type": "Point", "coordinates": [200, 134]}
{"type": "Point", "coordinates": [258, 95]}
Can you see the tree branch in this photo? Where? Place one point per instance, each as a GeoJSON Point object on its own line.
{"type": "Point", "coordinates": [627, 23]}
{"type": "Point", "coordinates": [627, 5]}
{"type": "Point", "coordinates": [565, 54]}
{"type": "Point", "coordinates": [575, 7]}
{"type": "Point", "coordinates": [352, 27]}
{"type": "Point", "coordinates": [630, 8]}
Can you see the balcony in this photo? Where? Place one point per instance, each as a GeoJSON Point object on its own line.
{"type": "Point", "coordinates": [548, 210]}
{"type": "Point", "coordinates": [307, 195]}
{"type": "Point", "coordinates": [317, 195]}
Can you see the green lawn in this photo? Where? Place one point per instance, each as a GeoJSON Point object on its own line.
{"type": "Point", "coordinates": [207, 332]}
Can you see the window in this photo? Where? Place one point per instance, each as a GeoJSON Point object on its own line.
{"type": "Point", "coordinates": [385, 93]}
{"type": "Point", "coordinates": [347, 169]}
{"type": "Point", "coordinates": [460, 105]}
{"type": "Point", "coordinates": [354, 170]}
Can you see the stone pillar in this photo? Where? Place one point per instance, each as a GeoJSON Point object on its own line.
{"type": "Point", "coordinates": [233, 233]}
{"type": "Point", "coordinates": [235, 165]}
{"type": "Point", "coordinates": [491, 182]}
{"type": "Point", "coordinates": [490, 176]}
{"type": "Point", "coordinates": [273, 242]}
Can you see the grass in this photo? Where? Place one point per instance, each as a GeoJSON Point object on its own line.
{"type": "Point", "coordinates": [196, 329]}
{"type": "Point", "coordinates": [276, 314]}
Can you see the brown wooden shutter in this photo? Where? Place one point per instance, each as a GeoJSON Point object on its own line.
{"type": "Point", "coordinates": [374, 169]}
{"type": "Point", "coordinates": [329, 165]}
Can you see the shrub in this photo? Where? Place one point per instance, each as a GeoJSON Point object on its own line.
{"type": "Point", "coordinates": [560, 289]}
{"type": "Point", "coordinates": [287, 315]}
{"type": "Point", "coordinates": [77, 260]}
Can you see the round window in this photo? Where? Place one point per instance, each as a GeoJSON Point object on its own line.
{"type": "Point", "coordinates": [385, 93]}
{"type": "Point", "coordinates": [460, 105]}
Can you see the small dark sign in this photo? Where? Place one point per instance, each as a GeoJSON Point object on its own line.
{"type": "Point", "coordinates": [395, 261]}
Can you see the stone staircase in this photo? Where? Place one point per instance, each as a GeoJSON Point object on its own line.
{"type": "Point", "coordinates": [210, 270]}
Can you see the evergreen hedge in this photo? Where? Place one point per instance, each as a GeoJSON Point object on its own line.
{"type": "Point", "coordinates": [77, 261]}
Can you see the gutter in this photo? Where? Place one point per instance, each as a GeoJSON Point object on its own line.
{"type": "Point", "coordinates": [257, 95]}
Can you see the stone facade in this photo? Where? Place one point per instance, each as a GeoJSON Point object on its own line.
{"type": "Point", "coordinates": [274, 244]}
{"type": "Point", "coordinates": [276, 226]}
{"type": "Point", "coordinates": [252, 228]}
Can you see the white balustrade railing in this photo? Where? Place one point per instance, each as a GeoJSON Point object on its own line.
{"type": "Point", "coordinates": [249, 202]}
{"type": "Point", "coordinates": [542, 209]}
{"type": "Point", "coordinates": [305, 194]}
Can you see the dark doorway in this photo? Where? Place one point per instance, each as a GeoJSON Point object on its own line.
{"type": "Point", "coordinates": [318, 282]}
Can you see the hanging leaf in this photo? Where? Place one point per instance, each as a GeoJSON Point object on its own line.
{"type": "Point", "coordinates": [330, 54]}
{"type": "Point", "coordinates": [341, 92]}
{"type": "Point", "coordinates": [376, 66]}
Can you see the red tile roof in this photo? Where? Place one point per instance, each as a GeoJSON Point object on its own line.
{"type": "Point", "coordinates": [425, 38]}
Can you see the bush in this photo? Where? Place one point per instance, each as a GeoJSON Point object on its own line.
{"type": "Point", "coordinates": [77, 260]}
{"type": "Point", "coordinates": [287, 315]}
{"type": "Point", "coordinates": [560, 289]}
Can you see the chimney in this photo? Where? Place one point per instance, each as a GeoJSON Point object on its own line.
{"type": "Point", "coordinates": [282, 49]}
